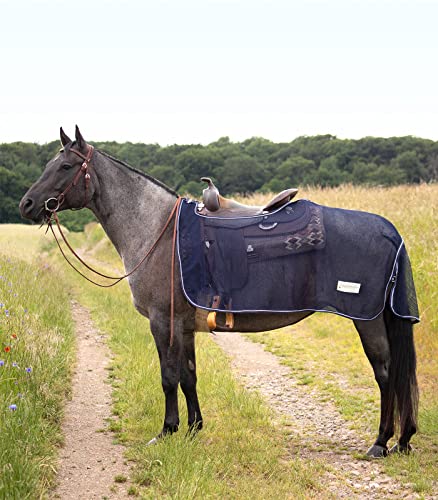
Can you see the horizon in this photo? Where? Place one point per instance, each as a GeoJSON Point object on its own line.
{"type": "Point", "coordinates": [223, 137]}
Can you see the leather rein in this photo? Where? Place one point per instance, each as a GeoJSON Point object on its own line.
{"type": "Point", "coordinates": [84, 171]}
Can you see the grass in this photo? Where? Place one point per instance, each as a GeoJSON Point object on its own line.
{"type": "Point", "coordinates": [23, 242]}
{"type": "Point", "coordinates": [36, 341]}
{"type": "Point", "coordinates": [240, 453]}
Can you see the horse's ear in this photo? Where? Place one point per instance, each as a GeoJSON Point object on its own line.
{"type": "Point", "coordinates": [65, 139]}
{"type": "Point", "coordinates": [80, 141]}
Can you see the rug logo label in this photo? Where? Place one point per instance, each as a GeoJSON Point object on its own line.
{"type": "Point", "coordinates": [348, 287]}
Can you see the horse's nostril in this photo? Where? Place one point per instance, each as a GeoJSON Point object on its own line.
{"type": "Point", "coordinates": [27, 205]}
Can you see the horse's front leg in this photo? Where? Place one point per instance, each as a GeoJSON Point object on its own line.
{"type": "Point", "coordinates": [188, 381]}
{"type": "Point", "coordinates": [170, 362]}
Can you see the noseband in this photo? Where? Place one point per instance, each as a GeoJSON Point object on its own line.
{"type": "Point", "coordinates": [83, 171]}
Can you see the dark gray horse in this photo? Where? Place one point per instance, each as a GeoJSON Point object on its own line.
{"type": "Point", "coordinates": [133, 208]}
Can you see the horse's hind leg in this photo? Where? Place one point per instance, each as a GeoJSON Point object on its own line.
{"type": "Point", "coordinates": [375, 342]}
{"type": "Point", "coordinates": [188, 381]}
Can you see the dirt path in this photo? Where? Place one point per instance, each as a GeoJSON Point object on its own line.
{"type": "Point", "coordinates": [318, 428]}
{"type": "Point", "coordinates": [89, 460]}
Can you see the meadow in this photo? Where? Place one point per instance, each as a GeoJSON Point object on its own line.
{"type": "Point", "coordinates": [37, 352]}
{"type": "Point", "coordinates": [241, 453]}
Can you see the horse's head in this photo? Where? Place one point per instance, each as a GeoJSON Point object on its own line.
{"type": "Point", "coordinates": [65, 182]}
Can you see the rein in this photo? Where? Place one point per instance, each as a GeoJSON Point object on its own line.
{"type": "Point", "coordinates": [117, 279]}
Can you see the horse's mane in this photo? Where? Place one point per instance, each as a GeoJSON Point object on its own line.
{"type": "Point", "coordinates": [120, 162]}
{"type": "Point", "coordinates": [139, 172]}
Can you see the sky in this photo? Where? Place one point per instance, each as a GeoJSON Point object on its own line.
{"type": "Point", "coordinates": [192, 71]}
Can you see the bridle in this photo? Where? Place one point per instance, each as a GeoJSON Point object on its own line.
{"type": "Point", "coordinates": [84, 170]}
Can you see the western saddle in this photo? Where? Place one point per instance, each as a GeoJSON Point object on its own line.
{"type": "Point", "coordinates": [215, 205]}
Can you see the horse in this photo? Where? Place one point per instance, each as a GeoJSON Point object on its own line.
{"type": "Point", "coordinates": [133, 208]}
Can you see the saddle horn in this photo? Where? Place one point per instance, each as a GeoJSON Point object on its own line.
{"type": "Point", "coordinates": [210, 195]}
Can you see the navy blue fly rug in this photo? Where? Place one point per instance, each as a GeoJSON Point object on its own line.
{"type": "Point", "coordinates": [301, 257]}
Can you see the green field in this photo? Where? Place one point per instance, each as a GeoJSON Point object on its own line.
{"type": "Point", "coordinates": [37, 352]}
{"type": "Point", "coordinates": [241, 453]}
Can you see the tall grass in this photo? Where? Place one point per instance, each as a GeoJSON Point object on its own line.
{"type": "Point", "coordinates": [36, 341]}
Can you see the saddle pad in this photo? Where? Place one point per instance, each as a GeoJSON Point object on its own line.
{"type": "Point", "coordinates": [301, 257]}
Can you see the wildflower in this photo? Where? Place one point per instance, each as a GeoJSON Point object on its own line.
{"type": "Point", "coordinates": [14, 336]}
{"type": "Point", "coordinates": [2, 363]}
{"type": "Point", "coordinates": [7, 312]}
{"type": "Point", "coordinates": [7, 348]}
{"type": "Point", "coordinates": [15, 364]}
{"type": "Point", "coordinates": [29, 369]}
{"type": "Point", "coordinates": [1, 304]}
{"type": "Point", "coordinates": [12, 407]}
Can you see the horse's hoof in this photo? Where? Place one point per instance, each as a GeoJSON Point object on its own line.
{"type": "Point", "coordinates": [377, 451]}
{"type": "Point", "coordinates": [194, 428]}
{"type": "Point", "coordinates": [153, 441]}
{"type": "Point", "coordinates": [401, 449]}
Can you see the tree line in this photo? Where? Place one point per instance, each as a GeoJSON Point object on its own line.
{"type": "Point", "coordinates": [255, 164]}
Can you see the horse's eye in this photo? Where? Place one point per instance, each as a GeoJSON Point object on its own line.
{"type": "Point", "coordinates": [67, 166]}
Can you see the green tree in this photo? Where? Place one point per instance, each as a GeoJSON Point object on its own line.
{"type": "Point", "coordinates": [241, 174]}
{"type": "Point", "coordinates": [362, 172]}
{"type": "Point", "coordinates": [259, 148]}
{"type": "Point", "coordinates": [274, 185]}
{"type": "Point", "coordinates": [386, 175]}
{"type": "Point", "coordinates": [329, 174]}
{"type": "Point", "coordinates": [76, 220]}
{"type": "Point", "coordinates": [167, 174]}
{"type": "Point", "coordinates": [12, 188]}
{"type": "Point", "coordinates": [198, 161]}
{"type": "Point", "coordinates": [192, 188]}
{"type": "Point", "coordinates": [409, 163]}
{"type": "Point", "coordinates": [295, 170]}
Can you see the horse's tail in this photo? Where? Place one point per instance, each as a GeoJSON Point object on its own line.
{"type": "Point", "coordinates": [403, 387]}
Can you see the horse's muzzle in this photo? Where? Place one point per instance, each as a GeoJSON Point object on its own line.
{"type": "Point", "coordinates": [30, 210]}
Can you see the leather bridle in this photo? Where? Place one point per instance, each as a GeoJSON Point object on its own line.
{"type": "Point", "coordinates": [84, 171]}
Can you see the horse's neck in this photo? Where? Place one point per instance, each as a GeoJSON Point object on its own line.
{"type": "Point", "coordinates": [131, 209]}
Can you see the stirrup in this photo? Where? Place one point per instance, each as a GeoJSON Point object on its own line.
{"type": "Point", "coordinates": [211, 318]}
